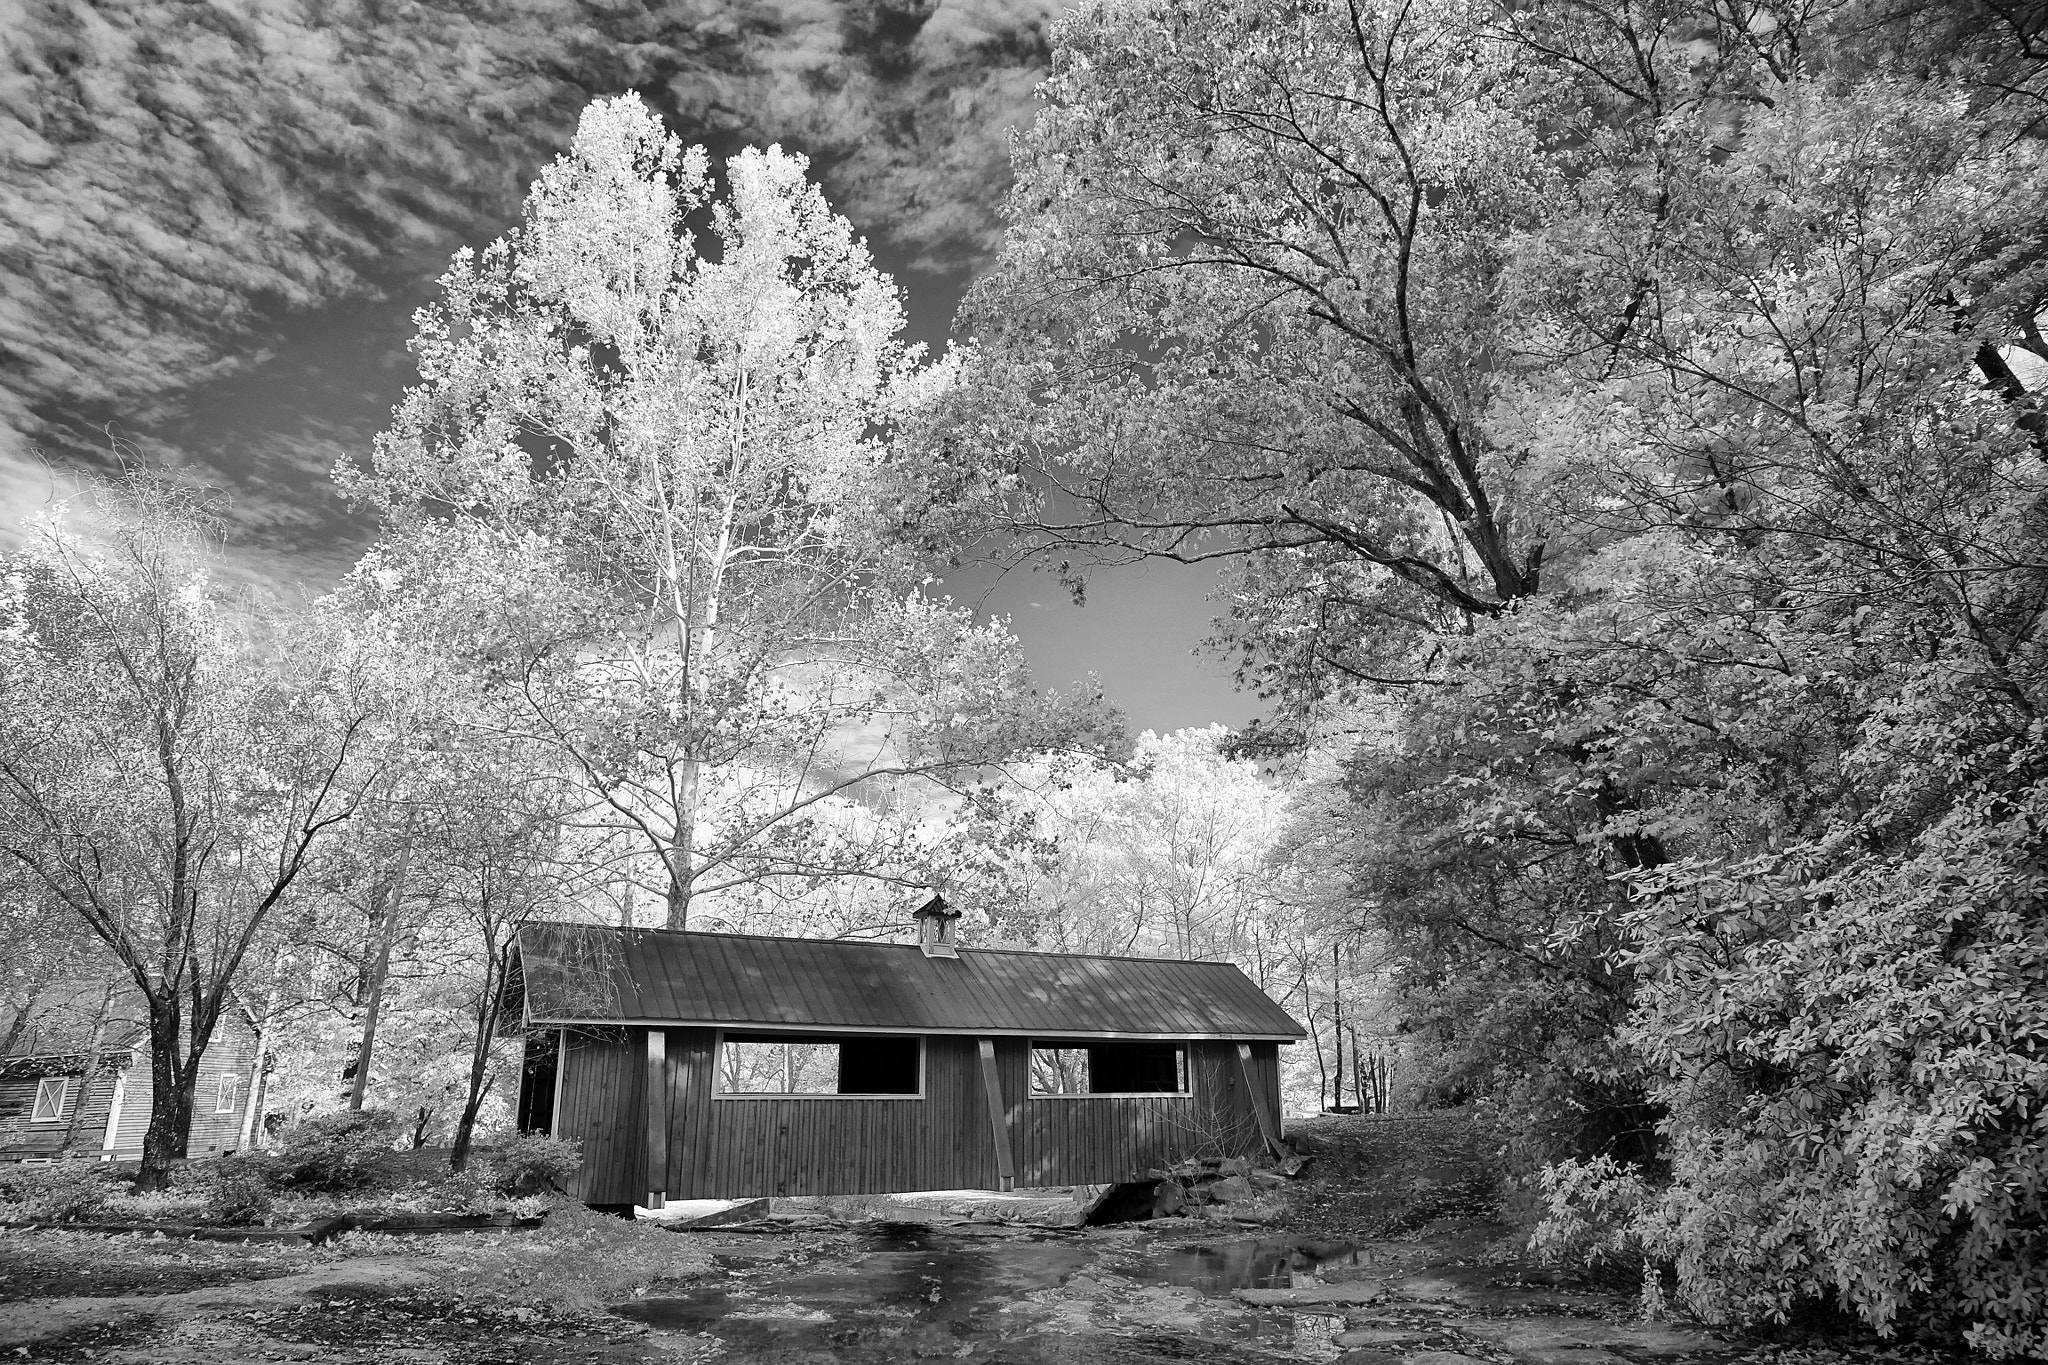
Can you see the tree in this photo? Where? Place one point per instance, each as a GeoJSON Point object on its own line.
{"type": "Point", "coordinates": [1239, 314]}
{"type": "Point", "coordinates": [643, 489]}
{"type": "Point", "coordinates": [1183, 851]}
{"type": "Point", "coordinates": [46, 955]}
{"type": "Point", "coordinates": [503, 850]}
{"type": "Point", "coordinates": [1643, 402]}
{"type": "Point", "coordinates": [166, 770]}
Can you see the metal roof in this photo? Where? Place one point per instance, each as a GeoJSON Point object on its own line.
{"type": "Point", "coordinates": [34, 1065]}
{"type": "Point", "coordinates": [591, 974]}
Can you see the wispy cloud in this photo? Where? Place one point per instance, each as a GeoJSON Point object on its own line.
{"type": "Point", "coordinates": [213, 218]}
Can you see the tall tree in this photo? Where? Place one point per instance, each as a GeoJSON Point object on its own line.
{"type": "Point", "coordinates": [642, 487]}
{"type": "Point", "coordinates": [1646, 399]}
{"type": "Point", "coordinates": [166, 767]}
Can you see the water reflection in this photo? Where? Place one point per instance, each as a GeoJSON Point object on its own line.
{"type": "Point", "coordinates": [911, 1292]}
{"type": "Point", "coordinates": [1226, 1266]}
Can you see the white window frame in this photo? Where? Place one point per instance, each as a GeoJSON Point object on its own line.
{"type": "Point", "coordinates": [1184, 1070]}
{"type": "Point", "coordinates": [39, 1113]}
{"type": "Point", "coordinates": [719, 1092]}
{"type": "Point", "coordinates": [227, 1090]}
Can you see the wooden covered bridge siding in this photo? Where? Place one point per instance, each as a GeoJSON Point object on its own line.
{"type": "Point", "coordinates": [766, 1145]}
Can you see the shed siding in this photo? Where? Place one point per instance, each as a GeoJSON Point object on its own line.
{"type": "Point", "coordinates": [729, 1148]}
{"type": "Point", "coordinates": [232, 1051]}
{"type": "Point", "coordinates": [746, 1148]}
{"type": "Point", "coordinates": [87, 1096]}
{"type": "Point", "coordinates": [601, 1098]}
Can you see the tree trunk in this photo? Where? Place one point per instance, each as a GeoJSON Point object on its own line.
{"type": "Point", "coordinates": [380, 972]}
{"type": "Point", "coordinates": [465, 1127]}
{"type": "Point", "coordinates": [251, 1105]}
{"type": "Point", "coordinates": [677, 856]}
{"type": "Point", "coordinates": [1337, 1022]}
{"type": "Point", "coordinates": [170, 1098]}
{"type": "Point", "coordinates": [479, 1059]}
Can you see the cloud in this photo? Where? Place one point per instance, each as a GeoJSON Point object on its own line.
{"type": "Point", "coordinates": [215, 218]}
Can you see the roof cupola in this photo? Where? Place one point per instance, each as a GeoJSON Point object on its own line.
{"type": "Point", "coordinates": [935, 927]}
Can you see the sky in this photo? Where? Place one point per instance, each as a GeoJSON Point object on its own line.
{"type": "Point", "coordinates": [216, 220]}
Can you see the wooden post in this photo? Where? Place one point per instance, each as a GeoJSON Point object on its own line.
{"type": "Point", "coordinates": [114, 1114]}
{"type": "Point", "coordinates": [657, 1118]}
{"type": "Point", "coordinates": [998, 1116]}
{"type": "Point", "coordinates": [1258, 1101]}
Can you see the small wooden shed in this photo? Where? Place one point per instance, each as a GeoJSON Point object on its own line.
{"type": "Point", "coordinates": [701, 1065]}
{"type": "Point", "coordinates": [87, 1103]}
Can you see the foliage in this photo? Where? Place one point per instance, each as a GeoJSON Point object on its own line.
{"type": "Point", "coordinates": [166, 771]}
{"type": "Point", "coordinates": [522, 1164]}
{"type": "Point", "coordinates": [60, 1192]}
{"type": "Point", "coordinates": [1591, 1212]}
{"type": "Point", "coordinates": [239, 1190]}
{"type": "Point", "coordinates": [334, 1152]}
{"type": "Point", "coordinates": [1850, 1047]}
{"type": "Point", "coordinates": [1635, 415]}
{"type": "Point", "coordinates": [1182, 850]}
{"type": "Point", "coordinates": [639, 502]}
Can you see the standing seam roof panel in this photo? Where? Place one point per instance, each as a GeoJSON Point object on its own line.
{"type": "Point", "coordinates": [732, 979]}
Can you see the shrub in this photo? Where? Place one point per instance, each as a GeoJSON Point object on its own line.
{"type": "Point", "coordinates": [238, 1190]}
{"type": "Point", "coordinates": [1853, 1068]}
{"type": "Point", "coordinates": [529, 1164]}
{"type": "Point", "coordinates": [334, 1152]}
{"type": "Point", "coordinates": [69, 1191]}
{"type": "Point", "coordinates": [1592, 1214]}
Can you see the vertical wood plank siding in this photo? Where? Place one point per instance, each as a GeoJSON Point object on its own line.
{"type": "Point", "coordinates": [747, 1148]}
{"type": "Point", "coordinates": [603, 1099]}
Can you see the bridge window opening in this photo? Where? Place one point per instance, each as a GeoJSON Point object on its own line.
{"type": "Point", "coordinates": [820, 1068]}
{"type": "Point", "coordinates": [1143, 1068]}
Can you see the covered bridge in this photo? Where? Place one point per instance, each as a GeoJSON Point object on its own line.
{"type": "Point", "coordinates": [700, 1065]}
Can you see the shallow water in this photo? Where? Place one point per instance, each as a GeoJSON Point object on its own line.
{"type": "Point", "coordinates": [1223, 1266]}
{"type": "Point", "coordinates": [912, 1294]}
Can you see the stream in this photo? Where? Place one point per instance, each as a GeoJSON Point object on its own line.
{"type": "Point", "coordinates": [900, 1293]}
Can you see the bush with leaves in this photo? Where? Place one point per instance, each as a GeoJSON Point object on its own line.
{"type": "Point", "coordinates": [1591, 1215]}
{"type": "Point", "coordinates": [334, 1153]}
{"type": "Point", "coordinates": [1851, 1040]}
{"type": "Point", "coordinates": [524, 1164]}
{"type": "Point", "coordinates": [66, 1192]}
{"type": "Point", "coordinates": [239, 1190]}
